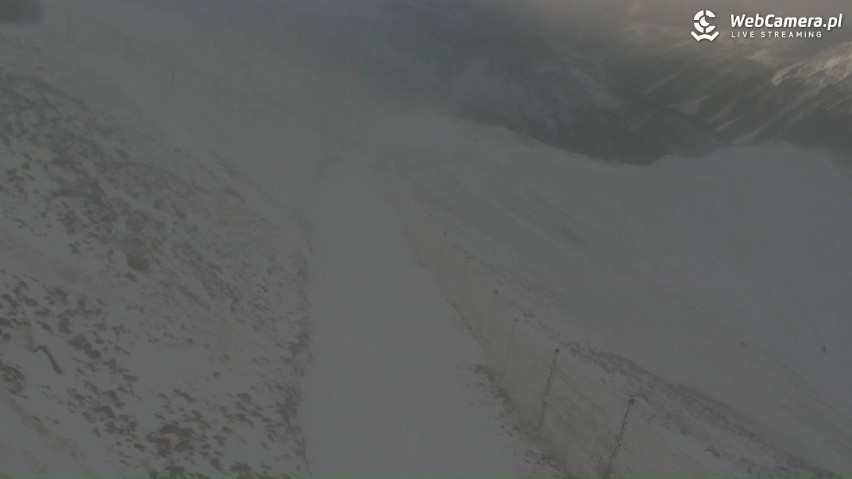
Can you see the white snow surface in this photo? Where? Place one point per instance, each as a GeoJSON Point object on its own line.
{"type": "Point", "coordinates": [722, 283]}
{"type": "Point", "coordinates": [185, 220]}
{"type": "Point", "coordinates": [393, 390]}
{"type": "Point", "coordinates": [160, 235]}
{"type": "Point", "coordinates": [153, 318]}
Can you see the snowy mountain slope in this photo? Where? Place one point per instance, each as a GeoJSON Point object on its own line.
{"type": "Point", "coordinates": [720, 282]}
{"type": "Point", "coordinates": [630, 88]}
{"type": "Point", "coordinates": [197, 161]}
{"type": "Point", "coordinates": [473, 58]}
{"type": "Point", "coordinates": [490, 69]}
{"type": "Point", "coordinates": [152, 320]}
{"type": "Point", "coordinates": [396, 387]}
{"type": "Point", "coordinates": [749, 92]}
{"type": "Point", "coordinates": [176, 205]}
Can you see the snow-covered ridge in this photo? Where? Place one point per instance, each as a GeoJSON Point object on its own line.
{"type": "Point", "coordinates": [712, 289]}
{"type": "Point", "coordinates": [829, 68]}
{"type": "Point", "coordinates": [472, 57]}
{"type": "Point", "coordinates": [153, 310]}
{"type": "Point", "coordinates": [748, 91]}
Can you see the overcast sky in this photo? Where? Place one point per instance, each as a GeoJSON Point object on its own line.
{"type": "Point", "coordinates": [594, 20]}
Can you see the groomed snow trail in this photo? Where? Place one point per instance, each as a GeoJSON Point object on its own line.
{"type": "Point", "coordinates": [391, 390]}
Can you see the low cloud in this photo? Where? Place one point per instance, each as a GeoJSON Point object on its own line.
{"type": "Point", "coordinates": [19, 11]}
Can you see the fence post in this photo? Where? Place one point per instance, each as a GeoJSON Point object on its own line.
{"type": "Point", "coordinates": [547, 386]}
{"type": "Point", "coordinates": [508, 348]}
{"type": "Point", "coordinates": [463, 292]}
{"type": "Point", "coordinates": [494, 304]}
{"type": "Point", "coordinates": [618, 439]}
{"type": "Point", "coordinates": [442, 252]}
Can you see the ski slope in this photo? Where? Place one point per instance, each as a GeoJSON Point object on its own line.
{"type": "Point", "coordinates": [715, 284]}
{"type": "Point", "coordinates": [232, 284]}
{"type": "Point", "coordinates": [395, 388]}
{"type": "Point", "coordinates": [204, 372]}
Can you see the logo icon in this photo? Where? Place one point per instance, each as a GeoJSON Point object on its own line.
{"type": "Point", "coordinates": [703, 28]}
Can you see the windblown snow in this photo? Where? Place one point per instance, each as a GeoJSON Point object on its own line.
{"type": "Point", "coordinates": [152, 320]}
{"type": "Point", "coordinates": [214, 261]}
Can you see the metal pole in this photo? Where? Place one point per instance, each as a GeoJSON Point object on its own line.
{"type": "Point", "coordinates": [68, 28]}
{"type": "Point", "coordinates": [494, 304]}
{"type": "Point", "coordinates": [618, 439]}
{"type": "Point", "coordinates": [547, 386]}
{"type": "Point", "coordinates": [508, 348]}
{"type": "Point", "coordinates": [463, 294]}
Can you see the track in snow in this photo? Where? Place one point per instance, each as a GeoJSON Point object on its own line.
{"type": "Point", "coordinates": [391, 390]}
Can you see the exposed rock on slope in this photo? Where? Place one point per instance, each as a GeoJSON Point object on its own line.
{"type": "Point", "coordinates": [150, 321]}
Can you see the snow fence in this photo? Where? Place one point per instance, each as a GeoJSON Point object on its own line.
{"type": "Point", "coordinates": [596, 418]}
